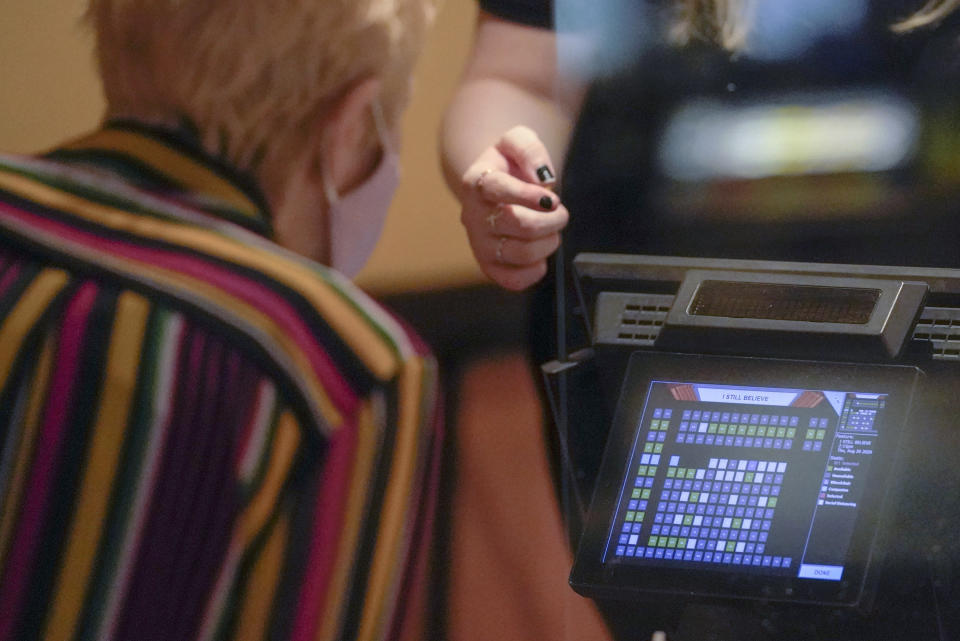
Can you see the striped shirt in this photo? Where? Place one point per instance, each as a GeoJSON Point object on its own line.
{"type": "Point", "coordinates": [202, 435]}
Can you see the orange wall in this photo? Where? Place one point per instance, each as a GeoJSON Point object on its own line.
{"type": "Point", "coordinates": [49, 91]}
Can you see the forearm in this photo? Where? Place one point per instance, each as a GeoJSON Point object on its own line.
{"type": "Point", "coordinates": [503, 138]}
{"type": "Point", "coordinates": [482, 109]}
{"type": "Point", "coordinates": [510, 79]}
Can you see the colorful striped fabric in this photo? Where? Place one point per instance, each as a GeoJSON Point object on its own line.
{"type": "Point", "coordinates": [202, 436]}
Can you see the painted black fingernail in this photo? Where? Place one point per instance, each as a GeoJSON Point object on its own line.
{"type": "Point", "coordinates": [545, 175]}
{"type": "Point", "coordinates": [546, 202]}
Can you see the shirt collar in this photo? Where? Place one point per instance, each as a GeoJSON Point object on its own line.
{"type": "Point", "coordinates": [173, 163]}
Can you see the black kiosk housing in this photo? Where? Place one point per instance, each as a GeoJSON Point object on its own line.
{"type": "Point", "coordinates": [780, 448]}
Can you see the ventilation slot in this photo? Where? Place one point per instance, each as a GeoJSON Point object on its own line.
{"type": "Point", "coordinates": [640, 322]}
{"type": "Point", "coordinates": [631, 319]}
{"type": "Point", "coordinates": [941, 327]}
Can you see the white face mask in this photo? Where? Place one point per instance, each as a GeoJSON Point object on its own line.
{"type": "Point", "coordinates": [356, 219]}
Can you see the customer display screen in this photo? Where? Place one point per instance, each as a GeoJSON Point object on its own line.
{"type": "Point", "coordinates": [787, 302]}
{"type": "Point", "coordinates": [750, 468]}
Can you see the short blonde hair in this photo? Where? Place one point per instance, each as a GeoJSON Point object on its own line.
{"type": "Point", "coordinates": [251, 75]}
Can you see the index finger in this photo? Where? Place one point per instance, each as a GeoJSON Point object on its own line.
{"type": "Point", "coordinates": [524, 149]}
{"type": "Point", "coordinates": [502, 188]}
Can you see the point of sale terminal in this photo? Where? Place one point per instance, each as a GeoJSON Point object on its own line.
{"type": "Point", "coordinates": [759, 436]}
{"type": "Point", "coordinates": [779, 451]}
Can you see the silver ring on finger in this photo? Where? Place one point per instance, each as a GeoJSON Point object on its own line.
{"type": "Point", "coordinates": [500, 243]}
{"type": "Point", "coordinates": [492, 218]}
{"type": "Point", "coordinates": [478, 183]}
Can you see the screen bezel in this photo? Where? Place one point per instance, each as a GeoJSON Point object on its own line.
{"type": "Point", "coordinates": [591, 577]}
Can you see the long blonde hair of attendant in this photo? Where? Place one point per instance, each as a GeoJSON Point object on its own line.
{"type": "Point", "coordinates": [252, 76]}
{"type": "Point", "coordinates": [930, 14]}
{"type": "Point", "coordinates": [727, 22]}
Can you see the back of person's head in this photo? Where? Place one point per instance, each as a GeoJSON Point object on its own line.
{"type": "Point", "coordinates": [252, 76]}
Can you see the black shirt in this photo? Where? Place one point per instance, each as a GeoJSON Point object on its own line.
{"type": "Point", "coordinates": [536, 13]}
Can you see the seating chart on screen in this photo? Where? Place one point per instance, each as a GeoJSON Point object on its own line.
{"type": "Point", "coordinates": [739, 477]}
{"type": "Point", "coordinates": [720, 512]}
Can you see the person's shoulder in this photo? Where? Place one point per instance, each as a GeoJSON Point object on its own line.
{"type": "Point", "coordinates": [534, 13]}
{"type": "Point", "coordinates": [311, 326]}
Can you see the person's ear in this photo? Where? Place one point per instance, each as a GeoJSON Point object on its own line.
{"type": "Point", "coordinates": [344, 133]}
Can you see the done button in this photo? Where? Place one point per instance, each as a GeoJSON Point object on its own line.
{"type": "Point", "coordinates": [822, 572]}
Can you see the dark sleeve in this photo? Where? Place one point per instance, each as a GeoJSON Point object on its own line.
{"type": "Point", "coordinates": [535, 13]}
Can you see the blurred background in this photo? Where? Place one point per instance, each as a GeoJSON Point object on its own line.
{"type": "Point", "coordinates": [825, 137]}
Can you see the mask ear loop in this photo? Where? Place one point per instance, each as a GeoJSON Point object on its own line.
{"type": "Point", "coordinates": [328, 188]}
{"type": "Point", "coordinates": [380, 124]}
{"type": "Point", "coordinates": [330, 193]}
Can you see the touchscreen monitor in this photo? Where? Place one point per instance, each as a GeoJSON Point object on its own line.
{"type": "Point", "coordinates": [744, 478]}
